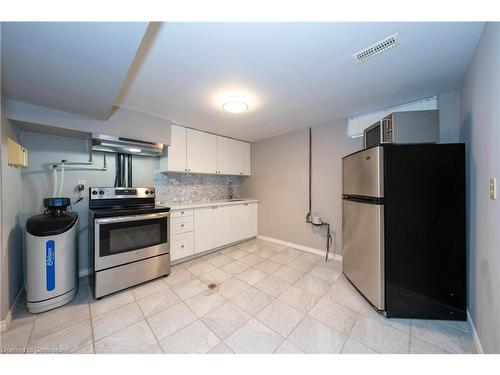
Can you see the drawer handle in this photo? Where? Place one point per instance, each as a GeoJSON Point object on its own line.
{"type": "Point", "coordinates": [182, 212]}
{"type": "Point", "coordinates": [182, 246]}
{"type": "Point", "coordinates": [182, 225]}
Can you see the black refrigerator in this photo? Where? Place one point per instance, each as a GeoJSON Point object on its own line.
{"type": "Point", "coordinates": [403, 229]}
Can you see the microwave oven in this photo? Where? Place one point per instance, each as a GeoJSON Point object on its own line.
{"type": "Point", "coordinates": [404, 127]}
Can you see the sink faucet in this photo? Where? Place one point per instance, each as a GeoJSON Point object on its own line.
{"type": "Point", "coordinates": [230, 190]}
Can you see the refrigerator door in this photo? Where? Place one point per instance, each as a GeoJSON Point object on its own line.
{"type": "Point", "coordinates": [363, 173]}
{"type": "Point", "coordinates": [363, 248]}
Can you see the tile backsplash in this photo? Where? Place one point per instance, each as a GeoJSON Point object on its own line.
{"type": "Point", "coordinates": [178, 187]}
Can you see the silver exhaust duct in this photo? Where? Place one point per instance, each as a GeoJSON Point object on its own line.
{"type": "Point", "coordinates": [121, 145]}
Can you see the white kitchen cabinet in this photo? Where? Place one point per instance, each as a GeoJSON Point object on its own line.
{"type": "Point", "coordinates": [201, 152]}
{"type": "Point", "coordinates": [249, 219]}
{"type": "Point", "coordinates": [181, 225]}
{"type": "Point", "coordinates": [235, 155]}
{"type": "Point", "coordinates": [223, 155]}
{"type": "Point", "coordinates": [236, 227]}
{"type": "Point", "coordinates": [176, 152]}
{"type": "Point", "coordinates": [204, 229]}
{"type": "Point", "coordinates": [222, 225]}
{"type": "Point", "coordinates": [213, 227]}
{"type": "Point", "coordinates": [181, 246]}
{"type": "Point", "coordinates": [242, 157]}
{"type": "Point", "coordinates": [228, 224]}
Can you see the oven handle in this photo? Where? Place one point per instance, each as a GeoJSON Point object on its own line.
{"type": "Point", "coordinates": [122, 219]}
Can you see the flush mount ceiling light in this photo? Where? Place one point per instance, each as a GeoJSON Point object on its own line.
{"type": "Point", "coordinates": [234, 100]}
{"type": "Point", "coordinates": [235, 105]}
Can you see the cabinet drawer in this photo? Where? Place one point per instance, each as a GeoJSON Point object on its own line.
{"type": "Point", "coordinates": [181, 225]}
{"type": "Point", "coordinates": [181, 246]}
{"type": "Point", "coordinates": [181, 213]}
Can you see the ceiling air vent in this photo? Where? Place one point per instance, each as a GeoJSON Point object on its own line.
{"type": "Point", "coordinates": [376, 48]}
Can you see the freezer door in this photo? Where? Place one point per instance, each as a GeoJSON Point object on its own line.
{"type": "Point", "coordinates": [363, 249]}
{"type": "Point", "coordinates": [363, 173]}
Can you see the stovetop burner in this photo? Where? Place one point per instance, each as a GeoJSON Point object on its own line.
{"type": "Point", "coordinates": [121, 201]}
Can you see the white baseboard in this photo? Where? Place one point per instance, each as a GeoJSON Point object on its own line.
{"type": "Point", "coordinates": [475, 336]}
{"type": "Point", "coordinates": [4, 324]}
{"type": "Point", "coordinates": [307, 249]}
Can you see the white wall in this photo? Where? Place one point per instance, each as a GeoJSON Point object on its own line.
{"type": "Point", "coordinates": [280, 180]}
{"type": "Point", "coordinates": [480, 129]}
{"type": "Point", "coordinates": [37, 181]}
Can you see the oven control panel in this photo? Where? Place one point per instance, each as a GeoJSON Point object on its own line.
{"type": "Point", "coordinates": [120, 192]}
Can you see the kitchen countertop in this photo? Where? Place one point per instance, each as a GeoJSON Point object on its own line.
{"type": "Point", "coordinates": [222, 202]}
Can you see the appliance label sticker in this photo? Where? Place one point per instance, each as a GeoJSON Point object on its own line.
{"type": "Point", "coordinates": [50, 264]}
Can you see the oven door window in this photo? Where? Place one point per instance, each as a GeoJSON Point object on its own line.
{"type": "Point", "coordinates": [127, 236]}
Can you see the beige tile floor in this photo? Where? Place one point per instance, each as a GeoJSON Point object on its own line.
{"type": "Point", "coordinates": [268, 299]}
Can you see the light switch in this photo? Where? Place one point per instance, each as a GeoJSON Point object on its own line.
{"type": "Point", "coordinates": [493, 188]}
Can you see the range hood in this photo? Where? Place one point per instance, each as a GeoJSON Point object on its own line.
{"type": "Point", "coordinates": [108, 143]}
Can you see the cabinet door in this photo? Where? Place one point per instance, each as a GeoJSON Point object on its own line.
{"type": "Point", "coordinates": [234, 157]}
{"type": "Point", "coordinates": [201, 152]}
{"type": "Point", "coordinates": [223, 155]}
{"type": "Point", "coordinates": [176, 152]}
{"type": "Point", "coordinates": [236, 223]}
{"type": "Point", "coordinates": [246, 153]}
{"type": "Point", "coordinates": [222, 222]}
{"type": "Point", "coordinates": [250, 219]}
{"type": "Point", "coordinates": [181, 246]}
{"type": "Point", "coordinates": [204, 229]}
{"type": "Point", "coordinates": [253, 219]}
{"type": "Point", "coordinates": [241, 154]}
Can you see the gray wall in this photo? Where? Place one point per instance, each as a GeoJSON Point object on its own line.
{"type": "Point", "coordinates": [449, 116]}
{"type": "Point", "coordinates": [37, 180]}
{"type": "Point", "coordinates": [11, 203]}
{"type": "Point", "coordinates": [279, 177]}
{"type": "Point", "coordinates": [280, 180]}
{"type": "Point", "coordinates": [480, 129]}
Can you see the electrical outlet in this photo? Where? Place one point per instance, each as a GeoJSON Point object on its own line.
{"type": "Point", "coordinates": [493, 188]}
{"type": "Point", "coordinates": [80, 185]}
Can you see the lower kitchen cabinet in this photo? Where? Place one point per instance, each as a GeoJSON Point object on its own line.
{"type": "Point", "coordinates": [222, 225]}
{"type": "Point", "coordinates": [213, 227]}
{"type": "Point", "coordinates": [204, 227]}
{"type": "Point", "coordinates": [250, 219]}
{"type": "Point", "coordinates": [181, 246]}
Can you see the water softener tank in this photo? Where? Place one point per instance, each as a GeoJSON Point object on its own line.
{"type": "Point", "coordinates": [51, 256]}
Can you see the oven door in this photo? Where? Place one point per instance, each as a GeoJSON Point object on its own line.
{"type": "Point", "coordinates": [125, 239]}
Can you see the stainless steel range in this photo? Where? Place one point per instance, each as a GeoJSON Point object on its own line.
{"type": "Point", "coordinates": [129, 237]}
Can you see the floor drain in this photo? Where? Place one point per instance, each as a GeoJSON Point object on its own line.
{"type": "Point", "coordinates": [212, 285]}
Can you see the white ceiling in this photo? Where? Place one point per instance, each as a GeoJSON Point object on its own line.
{"type": "Point", "coordinates": [300, 73]}
{"type": "Point", "coordinates": [75, 67]}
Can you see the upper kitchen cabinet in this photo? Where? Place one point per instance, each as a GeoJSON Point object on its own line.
{"type": "Point", "coordinates": [176, 152]}
{"type": "Point", "coordinates": [200, 152]}
{"type": "Point", "coordinates": [225, 163]}
{"type": "Point", "coordinates": [244, 158]}
{"type": "Point", "coordinates": [233, 157]}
